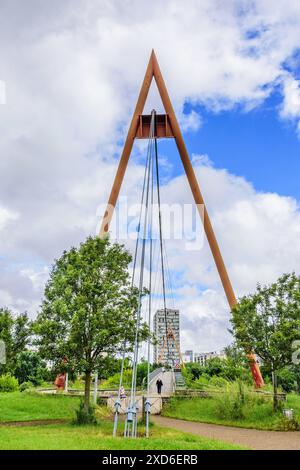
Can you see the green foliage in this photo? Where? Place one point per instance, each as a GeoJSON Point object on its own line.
{"type": "Point", "coordinates": [16, 333]}
{"type": "Point", "coordinates": [218, 371]}
{"type": "Point", "coordinates": [85, 415]}
{"type": "Point", "coordinates": [8, 383]}
{"type": "Point", "coordinates": [218, 382]}
{"type": "Point", "coordinates": [268, 322]}
{"type": "Point", "coordinates": [287, 379]}
{"type": "Point", "coordinates": [230, 405]}
{"type": "Point", "coordinates": [25, 386]}
{"type": "Point", "coordinates": [30, 368]}
{"type": "Point", "coordinates": [284, 424]}
{"type": "Point", "coordinates": [241, 408]}
{"type": "Point", "coordinates": [142, 372]}
{"type": "Point", "coordinates": [89, 307]}
{"type": "Point", "coordinates": [114, 381]}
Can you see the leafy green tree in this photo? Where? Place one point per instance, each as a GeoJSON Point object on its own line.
{"type": "Point", "coordinates": [268, 322]}
{"type": "Point", "coordinates": [30, 368]}
{"type": "Point", "coordinates": [287, 379]}
{"type": "Point", "coordinates": [89, 308]}
{"type": "Point", "coordinates": [22, 332]}
{"type": "Point", "coordinates": [142, 373]}
{"type": "Point", "coordinates": [214, 366]}
{"type": "Point", "coordinates": [15, 332]}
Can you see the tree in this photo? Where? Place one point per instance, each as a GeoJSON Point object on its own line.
{"type": "Point", "coordinates": [89, 308]}
{"type": "Point", "coordinates": [30, 368]}
{"type": "Point", "coordinates": [22, 332]}
{"type": "Point", "coordinates": [268, 322]}
{"type": "Point", "coordinates": [15, 332]}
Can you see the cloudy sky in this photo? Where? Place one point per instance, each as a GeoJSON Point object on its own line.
{"type": "Point", "coordinates": [71, 72]}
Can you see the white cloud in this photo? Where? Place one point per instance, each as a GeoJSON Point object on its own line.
{"type": "Point", "coordinates": [291, 102]}
{"type": "Point", "coordinates": [6, 216]}
{"type": "Point", "coordinates": [2, 92]}
{"type": "Point", "coordinates": [190, 122]}
{"type": "Point", "coordinates": [258, 234]}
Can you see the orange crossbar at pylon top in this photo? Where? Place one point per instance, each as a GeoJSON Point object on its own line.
{"type": "Point", "coordinates": [172, 126]}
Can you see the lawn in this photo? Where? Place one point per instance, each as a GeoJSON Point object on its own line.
{"type": "Point", "coordinates": [258, 416]}
{"type": "Point", "coordinates": [24, 406]}
{"type": "Point", "coordinates": [69, 437]}
{"type": "Point", "coordinates": [17, 406]}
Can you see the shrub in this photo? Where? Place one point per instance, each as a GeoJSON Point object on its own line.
{"type": "Point", "coordinates": [218, 382]}
{"type": "Point", "coordinates": [286, 379]}
{"type": "Point", "coordinates": [202, 382]}
{"type": "Point", "coordinates": [84, 416]}
{"type": "Point", "coordinates": [230, 405]}
{"type": "Point", "coordinates": [285, 424]}
{"type": "Point", "coordinates": [8, 383]}
{"type": "Point", "coordinates": [30, 368]}
{"type": "Point", "coordinates": [25, 386]}
{"type": "Point", "coordinates": [114, 380]}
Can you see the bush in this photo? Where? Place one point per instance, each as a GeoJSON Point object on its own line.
{"type": "Point", "coordinates": [84, 416]}
{"type": "Point", "coordinates": [285, 424]}
{"type": "Point", "coordinates": [25, 386]}
{"type": "Point", "coordinates": [8, 383]}
{"type": "Point", "coordinates": [218, 382]}
{"type": "Point", "coordinates": [231, 404]}
{"type": "Point", "coordinates": [30, 368]}
{"type": "Point", "coordinates": [287, 380]}
{"type": "Point", "coordinates": [113, 381]}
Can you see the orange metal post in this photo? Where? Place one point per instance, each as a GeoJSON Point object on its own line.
{"type": "Point", "coordinates": [193, 183]}
{"type": "Point", "coordinates": [127, 149]}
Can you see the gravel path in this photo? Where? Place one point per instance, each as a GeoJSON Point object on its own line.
{"type": "Point", "coordinates": [250, 438]}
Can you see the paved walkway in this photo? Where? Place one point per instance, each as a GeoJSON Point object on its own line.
{"type": "Point", "coordinates": [250, 438]}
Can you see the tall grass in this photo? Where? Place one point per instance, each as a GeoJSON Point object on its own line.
{"type": "Point", "coordinates": [235, 405]}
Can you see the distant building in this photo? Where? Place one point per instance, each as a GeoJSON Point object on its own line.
{"type": "Point", "coordinates": [167, 333]}
{"type": "Point", "coordinates": [202, 358]}
{"type": "Point", "coordinates": [188, 356]}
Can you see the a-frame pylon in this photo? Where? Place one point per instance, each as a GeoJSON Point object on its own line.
{"type": "Point", "coordinates": [170, 128]}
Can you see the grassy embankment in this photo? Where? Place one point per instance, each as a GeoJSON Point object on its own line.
{"type": "Point", "coordinates": [256, 413]}
{"type": "Point", "coordinates": [29, 406]}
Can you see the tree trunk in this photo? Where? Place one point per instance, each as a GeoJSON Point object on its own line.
{"type": "Point", "coordinates": [275, 395]}
{"type": "Point", "coordinates": [87, 389]}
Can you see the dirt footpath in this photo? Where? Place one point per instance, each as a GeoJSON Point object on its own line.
{"type": "Point", "coordinates": [251, 438]}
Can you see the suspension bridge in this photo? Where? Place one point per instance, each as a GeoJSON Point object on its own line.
{"type": "Point", "coordinates": [153, 256]}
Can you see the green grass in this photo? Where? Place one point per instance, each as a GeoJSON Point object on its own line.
{"type": "Point", "coordinates": [69, 437]}
{"type": "Point", "coordinates": [17, 406]}
{"type": "Point", "coordinates": [257, 416]}
{"type": "Point", "coordinates": [24, 406]}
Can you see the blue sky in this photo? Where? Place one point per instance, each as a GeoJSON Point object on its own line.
{"type": "Point", "coordinates": [258, 145]}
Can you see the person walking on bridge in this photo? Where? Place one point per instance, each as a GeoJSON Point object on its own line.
{"type": "Point", "coordinates": [159, 385]}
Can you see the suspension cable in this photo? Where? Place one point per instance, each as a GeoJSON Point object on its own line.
{"type": "Point", "coordinates": [151, 173]}
{"type": "Point", "coordinates": [147, 402]}
{"type": "Point", "coordinates": [161, 250]}
{"type": "Point", "coordinates": [118, 402]}
{"type": "Point", "coordinates": [131, 419]}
